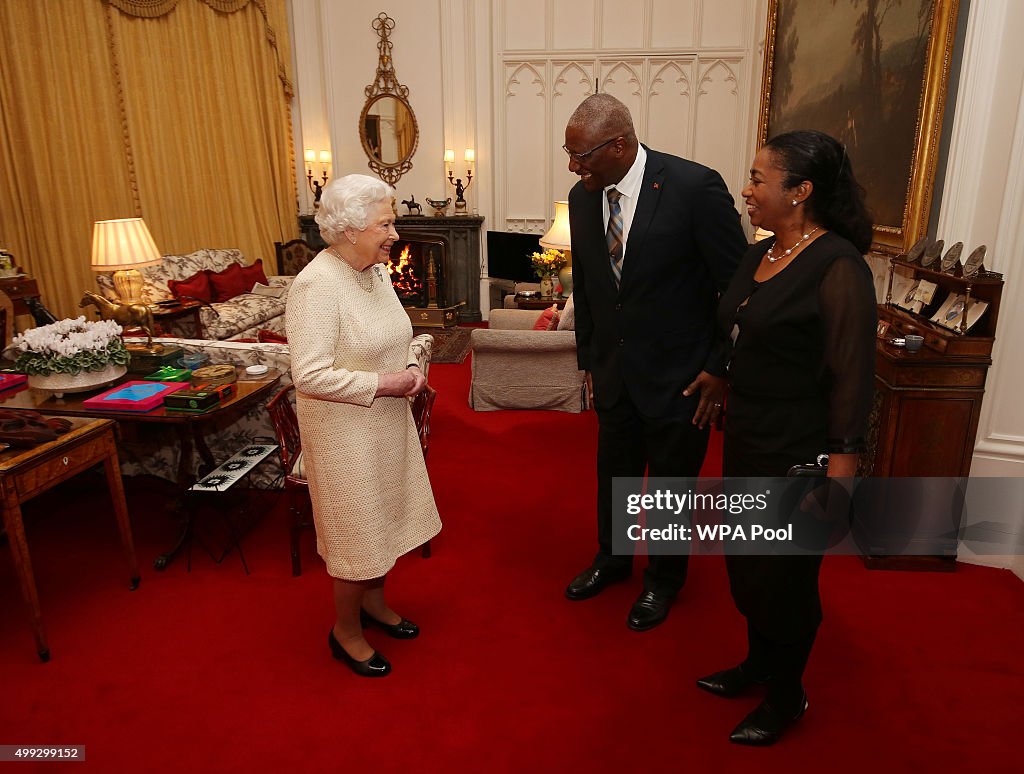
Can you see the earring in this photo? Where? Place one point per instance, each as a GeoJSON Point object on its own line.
{"type": "Point", "coordinates": [794, 202]}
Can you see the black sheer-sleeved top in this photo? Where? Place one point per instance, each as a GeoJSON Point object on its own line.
{"type": "Point", "coordinates": [806, 337]}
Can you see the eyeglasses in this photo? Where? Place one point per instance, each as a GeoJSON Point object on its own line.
{"type": "Point", "coordinates": [581, 157]}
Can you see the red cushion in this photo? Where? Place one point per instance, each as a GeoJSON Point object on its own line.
{"type": "Point", "coordinates": [548, 319]}
{"type": "Point", "coordinates": [197, 286]}
{"type": "Point", "coordinates": [265, 336]}
{"type": "Point", "coordinates": [254, 273]}
{"type": "Point", "coordinates": [229, 283]}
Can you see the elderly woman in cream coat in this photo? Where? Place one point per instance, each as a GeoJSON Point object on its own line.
{"type": "Point", "coordinates": [354, 371]}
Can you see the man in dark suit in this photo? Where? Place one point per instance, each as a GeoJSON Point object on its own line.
{"type": "Point", "coordinates": [655, 240]}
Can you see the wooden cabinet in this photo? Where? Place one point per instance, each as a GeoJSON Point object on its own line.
{"type": "Point", "coordinates": [924, 420]}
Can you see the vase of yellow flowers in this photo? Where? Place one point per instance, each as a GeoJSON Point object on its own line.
{"type": "Point", "coordinates": [546, 266]}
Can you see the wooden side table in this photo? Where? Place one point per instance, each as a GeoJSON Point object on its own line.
{"type": "Point", "coordinates": [25, 473]}
{"type": "Point", "coordinates": [165, 313]}
{"type": "Point", "coordinates": [18, 289]}
{"type": "Point", "coordinates": [540, 303]}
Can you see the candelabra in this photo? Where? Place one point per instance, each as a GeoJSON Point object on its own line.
{"type": "Point", "coordinates": [460, 189]}
{"type": "Point", "coordinates": [316, 187]}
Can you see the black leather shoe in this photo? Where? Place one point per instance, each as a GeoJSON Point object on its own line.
{"type": "Point", "coordinates": [729, 682]}
{"type": "Point", "coordinates": [403, 630]}
{"type": "Point", "coordinates": [765, 725]}
{"type": "Point", "coordinates": [649, 610]}
{"type": "Point", "coordinates": [375, 666]}
{"type": "Point", "coordinates": [593, 580]}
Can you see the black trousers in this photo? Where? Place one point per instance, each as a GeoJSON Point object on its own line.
{"type": "Point", "coordinates": [628, 444]}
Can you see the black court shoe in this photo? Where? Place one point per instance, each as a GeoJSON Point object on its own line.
{"type": "Point", "coordinates": [403, 630]}
{"type": "Point", "coordinates": [375, 666]}
{"type": "Point", "coordinates": [765, 725]}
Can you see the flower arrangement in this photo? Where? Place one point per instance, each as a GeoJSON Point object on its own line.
{"type": "Point", "coordinates": [548, 263]}
{"type": "Point", "coordinates": [69, 347]}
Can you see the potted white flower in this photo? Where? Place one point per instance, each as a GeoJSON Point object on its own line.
{"type": "Point", "coordinates": [71, 355]}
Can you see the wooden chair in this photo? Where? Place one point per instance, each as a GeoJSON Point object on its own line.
{"type": "Point", "coordinates": [286, 426]}
{"type": "Point", "coordinates": [6, 320]}
{"type": "Point", "coordinates": [293, 256]}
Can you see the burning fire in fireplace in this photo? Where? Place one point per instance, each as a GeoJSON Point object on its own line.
{"type": "Point", "coordinates": [408, 285]}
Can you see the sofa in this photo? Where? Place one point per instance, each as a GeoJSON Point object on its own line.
{"type": "Point", "coordinates": [153, 448]}
{"type": "Point", "coordinates": [516, 367]}
{"type": "Point", "coordinates": [242, 316]}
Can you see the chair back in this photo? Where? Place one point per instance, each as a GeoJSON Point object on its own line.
{"type": "Point", "coordinates": [286, 427]}
{"type": "Point", "coordinates": [6, 320]}
{"type": "Point", "coordinates": [293, 256]}
{"type": "Point", "coordinates": [422, 406]}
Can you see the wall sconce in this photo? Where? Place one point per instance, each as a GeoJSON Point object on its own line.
{"type": "Point", "coordinates": [316, 186]}
{"type": "Point", "coordinates": [460, 189]}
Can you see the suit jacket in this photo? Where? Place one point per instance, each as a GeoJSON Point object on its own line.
{"type": "Point", "coordinates": [656, 332]}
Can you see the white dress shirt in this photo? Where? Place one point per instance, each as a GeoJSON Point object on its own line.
{"type": "Point", "coordinates": [629, 187]}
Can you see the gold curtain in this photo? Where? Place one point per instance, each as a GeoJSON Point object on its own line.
{"type": "Point", "coordinates": [182, 117]}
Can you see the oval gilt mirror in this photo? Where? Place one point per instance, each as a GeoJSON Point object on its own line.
{"type": "Point", "coordinates": [387, 125]}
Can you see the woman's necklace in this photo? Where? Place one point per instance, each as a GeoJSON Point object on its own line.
{"type": "Point", "coordinates": [364, 279]}
{"type": "Point", "coordinates": [772, 258]}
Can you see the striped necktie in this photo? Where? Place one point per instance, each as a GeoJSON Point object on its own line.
{"type": "Point", "coordinates": [614, 234]}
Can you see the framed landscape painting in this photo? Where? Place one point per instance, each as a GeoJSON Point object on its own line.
{"type": "Point", "coordinates": [873, 74]}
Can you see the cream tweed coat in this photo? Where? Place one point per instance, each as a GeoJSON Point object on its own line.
{"type": "Point", "coordinates": [372, 500]}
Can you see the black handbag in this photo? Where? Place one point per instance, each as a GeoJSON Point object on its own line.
{"type": "Point", "coordinates": [817, 468]}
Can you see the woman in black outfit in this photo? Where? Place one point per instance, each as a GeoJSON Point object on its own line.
{"type": "Point", "coordinates": [801, 312]}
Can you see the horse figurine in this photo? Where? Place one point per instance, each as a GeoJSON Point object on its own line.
{"type": "Point", "coordinates": [411, 204]}
{"type": "Point", "coordinates": [125, 315]}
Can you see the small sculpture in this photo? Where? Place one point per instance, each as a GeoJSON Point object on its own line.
{"type": "Point", "coordinates": [411, 204]}
{"type": "Point", "coordinates": [440, 206]}
{"type": "Point", "coordinates": [125, 315]}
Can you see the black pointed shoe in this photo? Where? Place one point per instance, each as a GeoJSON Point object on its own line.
{"type": "Point", "coordinates": [649, 610]}
{"type": "Point", "coordinates": [375, 666]}
{"type": "Point", "coordinates": [593, 580]}
{"type": "Point", "coordinates": [729, 682]}
{"type": "Point", "coordinates": [765, 725]}
{"type": "Point", "coordinates": [403, 630]}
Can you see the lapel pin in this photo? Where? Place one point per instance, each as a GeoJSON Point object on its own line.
{"type": "Point", "coordinates": [656, 186]}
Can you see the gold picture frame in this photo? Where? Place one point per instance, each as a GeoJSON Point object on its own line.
{"type": "Point", "coordinates": [902, 61]}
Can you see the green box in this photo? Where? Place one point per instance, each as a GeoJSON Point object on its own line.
{"type": "Point", "coordinates": [170, 374]}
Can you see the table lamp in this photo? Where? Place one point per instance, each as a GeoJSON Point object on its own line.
{"type": "Point", "coordinates": [557, 238]}
{"type": "Point", "coordinates": [124, 246]}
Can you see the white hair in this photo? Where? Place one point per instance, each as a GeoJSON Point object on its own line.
{"type": "Point", "coordinates": [345, 203]}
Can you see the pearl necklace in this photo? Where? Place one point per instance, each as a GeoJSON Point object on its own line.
{"type": "Point", "coordinates": [772, 258]}
{"type": "Point", "coordinates": [363, 278]}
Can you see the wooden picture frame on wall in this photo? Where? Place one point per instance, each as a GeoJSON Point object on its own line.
{"type": "Point", "coordinates": [873, 74]}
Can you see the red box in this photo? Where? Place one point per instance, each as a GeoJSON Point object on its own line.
{"type": "Point", "coordinates": [133, 396]}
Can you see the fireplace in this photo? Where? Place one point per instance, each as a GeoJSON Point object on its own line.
{"type": "Point", "coordinates": [419, 267]}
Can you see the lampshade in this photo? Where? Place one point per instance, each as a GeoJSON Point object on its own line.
{"type": "Point", "coordinates": [558, 235]}
{"type": "Point", "coordinates": [325, 157]}
{"type": "Point", "coordinates": [309, 155]}
{"type": "Point", "coordinates": [449, 155]}
{"type": "Point", "coordinates": [470, 155]}
{"type": "Point", "coordinates": [122, 244]}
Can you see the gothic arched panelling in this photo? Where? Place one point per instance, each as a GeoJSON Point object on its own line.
{"type": "Point", "coordinates": [669, 103]}
{"type": "Point", "coordinates": [572, 83]}
{"type": "Point", "coordinates": [624, 80]}
{"type": "Point", "coordinates": [524, 136]}
{"type": "Point", "coordinates": [717, 129]}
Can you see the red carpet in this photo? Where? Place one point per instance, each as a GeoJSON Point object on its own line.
{"type": "Point", "coordinates": [217, 671]}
